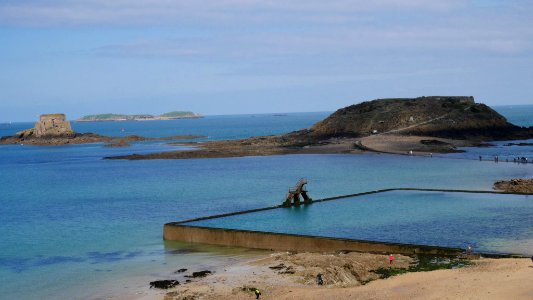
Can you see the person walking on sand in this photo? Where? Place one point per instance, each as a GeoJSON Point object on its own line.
{"type": "Point", "coordinates": [391, 258]}
{"type": "Point", "coordinates": [257, 293]}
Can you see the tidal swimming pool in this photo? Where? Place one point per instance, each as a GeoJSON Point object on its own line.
{"type": "Point", "coordinates": [494, 223]}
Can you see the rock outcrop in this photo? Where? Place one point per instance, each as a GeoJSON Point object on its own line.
{"type": "Point", "coordinates": [424, 125]}
{"type": "Point", "coordinates": [53, 125]}
{"type": "Point", "coordinates": [515, 185]}
{"type": "Point", "coordinates": [437, 116]}
{"type": "Point", "coordinates": [50, 125]}
{"type": "Point", "coordinates": [54, 129]}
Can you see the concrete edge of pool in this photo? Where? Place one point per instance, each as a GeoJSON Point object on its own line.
{"type": "Point", "coordinates": [181, 231]}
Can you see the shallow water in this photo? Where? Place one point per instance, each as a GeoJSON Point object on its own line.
{"type": "Point", "coordinates": [73, 223]}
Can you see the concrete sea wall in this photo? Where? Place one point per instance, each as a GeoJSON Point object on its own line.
{"type": "Point", "coordinates": [291, 242]}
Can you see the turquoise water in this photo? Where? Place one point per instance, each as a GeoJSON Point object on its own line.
{"type": "Point", "coordinates": [488, 222]}
{"type": "Point", "coordinates": [77, 226]}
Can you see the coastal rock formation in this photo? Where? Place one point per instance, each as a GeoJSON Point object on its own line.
{"type": "Point", "coordinates": [53, 125]}
{"type": "Point", "coordinates": [50, 125]}
{"type": "Point", "coordinates": [415, 126]}
{"type": "Point", "coordinates": [436, 116]}
{"type": "Point", "coordinates": [54, 129]}
{"type": "Point", "coordinates": [199, 274]}
{"type": "Point", "coordinates": [515, 185]}
{"type": "Point", "coordinates": [164, 284]}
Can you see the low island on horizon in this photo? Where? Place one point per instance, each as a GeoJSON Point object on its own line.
{"type": "Point", "coordinates": [110, 117]}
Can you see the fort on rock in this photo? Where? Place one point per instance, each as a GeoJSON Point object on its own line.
{"type": "Point", "coordinates": [53, 125]}
{"type": "Point", "coordinates": [50, 125]}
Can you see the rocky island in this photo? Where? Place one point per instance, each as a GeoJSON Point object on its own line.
{"type": "Point", "coordinates": [120, 117]}
{"type": "Point", "coordinates": [401, 125]}
{"type": "Point", "coordinates": [55, 129]}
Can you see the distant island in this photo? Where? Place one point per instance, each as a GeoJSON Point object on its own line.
{"type": "Point", "coordinates": [120, 117]}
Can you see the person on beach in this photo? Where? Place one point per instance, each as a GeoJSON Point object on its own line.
{"type": "Point", "coordinates": [257, 293]}
{"type": "Point", "coordinates": [391, 258]}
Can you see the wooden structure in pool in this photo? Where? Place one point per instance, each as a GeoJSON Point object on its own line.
{"type": "Point", "coordinates": [192, 231]}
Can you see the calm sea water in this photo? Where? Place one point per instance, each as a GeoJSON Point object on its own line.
{"type": "Point", "coordinates": [426, 218]}
{"type": "Point", "coordinates": [77, 226]}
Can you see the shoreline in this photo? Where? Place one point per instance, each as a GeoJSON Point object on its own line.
{"type": "Point", "coordinates": [355, 275]}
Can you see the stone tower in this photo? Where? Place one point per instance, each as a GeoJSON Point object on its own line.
{"type": "Point", "coordinates": [53, 125]}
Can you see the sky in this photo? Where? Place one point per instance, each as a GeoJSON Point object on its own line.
{"type": "Point", "coordinates": [214, 57]}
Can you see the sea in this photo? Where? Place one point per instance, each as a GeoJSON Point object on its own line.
{"type": "Point", "coordinates": [76, 226]}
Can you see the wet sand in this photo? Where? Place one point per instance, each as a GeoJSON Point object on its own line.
{"type": "Point", "coordinates": [264, 146]}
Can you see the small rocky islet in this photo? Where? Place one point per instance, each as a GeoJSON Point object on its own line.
{"type": "Point", "coordinates": [55, 129]}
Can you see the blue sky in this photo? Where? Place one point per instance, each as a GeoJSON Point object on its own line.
{"type": "Point", "coordinates": [250, 56]}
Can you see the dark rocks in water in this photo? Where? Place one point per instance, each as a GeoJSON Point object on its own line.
{"type": "Point", "coordinates": [180, 271]}
{"type": "Point", "coordinates": [164, 284]}
{"type": "Point", "coordinates": [199, 274]}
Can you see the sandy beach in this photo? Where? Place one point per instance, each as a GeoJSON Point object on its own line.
{"type": "Point", "coordinates": [349, 276]}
